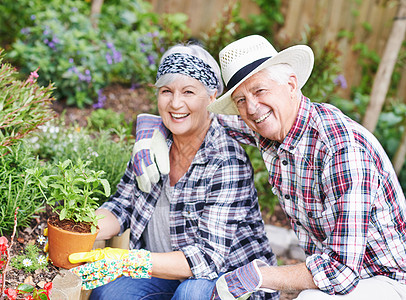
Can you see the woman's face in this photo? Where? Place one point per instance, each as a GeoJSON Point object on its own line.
{"type": "Point", "coordinates": [182, 105]}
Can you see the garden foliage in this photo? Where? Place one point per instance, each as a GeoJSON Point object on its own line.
{"type": "Point", "coordinates": [125, 48]}
{"type": "Point", "coordinates": [81, 59]}
{"type": "Point", "coordinates": [24, 105]}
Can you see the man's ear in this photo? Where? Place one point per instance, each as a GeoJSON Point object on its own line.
{"type": "Point", "coordinates": [293, 85]}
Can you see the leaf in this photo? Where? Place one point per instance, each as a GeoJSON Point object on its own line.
{"type": "Point", "coordinates": [26, 288]}
{"type": "Point", "coordinates": [65, 164]}
{"type": "Point", "coordinates": [106, 187]}
{"type": "Point", "coordinates": [63, 214]}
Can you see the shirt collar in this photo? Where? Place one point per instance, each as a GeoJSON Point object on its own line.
{"type": "Point", "coordinates": [295, 133]}
{"type": "Point", "coordinates": [212, 135]}
{"type": "Point", "coordinates": [299, 126]}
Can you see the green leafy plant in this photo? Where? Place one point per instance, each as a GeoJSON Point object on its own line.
{"type": "Point", "coordinates": [325, 77]}
{"type": "Point", "coordinates": [16, 15]}
{"type": "Point", "coordinates": [109, 150]}
{"type": "Point", "coordinates": [23, 105]}
{"type": "Point", "coordinates": [15, 188]}
{"type": "Point", "coordinates": [25, 288]}
{"type": "Point", "coordinates": [108, 119]}
{"type": "Point", "coordinates": [32, 259]}
{"type": "Point", "coordinates": [264, 23]}
{"type": "Point", "coordinates": [73, 190]}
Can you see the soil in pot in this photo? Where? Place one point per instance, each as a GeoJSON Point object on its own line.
{"type": "Point", "coordinates": [66, 237]}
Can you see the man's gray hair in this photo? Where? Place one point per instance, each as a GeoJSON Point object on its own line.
{"type": "Point", "coordinates": [280, 73]}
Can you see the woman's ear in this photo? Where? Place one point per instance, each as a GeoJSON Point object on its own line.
{"type": "Point", "coordinates": [213, 97]}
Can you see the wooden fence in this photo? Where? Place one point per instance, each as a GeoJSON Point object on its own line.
{"type": "Point", "coordinates": [367, 21]}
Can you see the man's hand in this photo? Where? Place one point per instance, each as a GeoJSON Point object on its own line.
{"type": "Point", "coordinates": [105, 265]}
{"type": "Point", "coordinates": [240, 283]}
{"type": "Point", "coordinates": [150, 152]}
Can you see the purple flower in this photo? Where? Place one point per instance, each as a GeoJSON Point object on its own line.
{"type": "Point", "coordinates": [101, 99]}
{"type": "Point", "coordinates": [33, 17]}
{"type": "Point", "coordinates": [109, 59]}
{"type": "Point", "coordinates": [134, 86]}
{"type": "Point", "coordinates": [46, 31]}
{"type": "Point", "coordinates": [25, 31]}
{"type": "Point", "coordinates": [71, 60]}
{"type": "Point", "coordinates": [110, 45]}
{"type": "Point", "coordinates": [73, 69]}
{"type": "Point", "coordinates": [340, 81]}
{"type": "Point", "coordinates": [117, 56]}
{"type": "Point", "coordinates": [151, 59]}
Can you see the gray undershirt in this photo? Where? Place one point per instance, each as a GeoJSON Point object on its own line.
{"type": "Point", "coordinates": [157, 235]}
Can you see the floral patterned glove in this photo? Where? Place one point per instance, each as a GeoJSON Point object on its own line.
{"type": "Point", "coordinates": [240, 283]}
{"type": "Point", "coordinates": [107, 264]}
{"type": "Point", "coordinates": [150, 152]}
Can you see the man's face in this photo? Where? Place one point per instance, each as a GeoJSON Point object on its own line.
{"type": "Point", "coordinates": [266, 107]}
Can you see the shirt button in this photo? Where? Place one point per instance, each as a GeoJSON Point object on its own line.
{"type": "Point", "coordinates": [291, 147]}
{"type": "Point", "coordinates": [284, 162]}
{"type": "Point", "coordinates": [287, 197]}
{"type": "Point", "coordinates": [310, 214]}
{"type": "Point", "coordinates": [298, 223]}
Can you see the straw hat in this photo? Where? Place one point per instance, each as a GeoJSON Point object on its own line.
{"type": "Point", "coordinates": [249, 55]}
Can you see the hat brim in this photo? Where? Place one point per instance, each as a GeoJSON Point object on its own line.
{"type": "Point", "coordinates": [299, 57]}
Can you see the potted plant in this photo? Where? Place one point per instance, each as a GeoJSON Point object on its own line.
{"type": "Point", "coordinates": [72, 195]}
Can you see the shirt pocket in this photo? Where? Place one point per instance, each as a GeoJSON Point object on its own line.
{"type": "Point", "coordinates": [191, 215]}
{"type": "Point", "coordinates": [319, 220]}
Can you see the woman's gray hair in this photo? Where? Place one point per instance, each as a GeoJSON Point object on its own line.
{"type": "Point", "coordinates": [198, 52]}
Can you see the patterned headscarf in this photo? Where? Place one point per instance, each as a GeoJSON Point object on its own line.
{"type": "Point", "coordinates": [182, 63]}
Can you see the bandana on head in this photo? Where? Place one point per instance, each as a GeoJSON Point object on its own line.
{"type": "Point", "coordinates": [181, 63]}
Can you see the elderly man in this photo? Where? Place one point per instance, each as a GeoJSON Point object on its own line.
{"type": "Point", "coordinates": [332, 177]}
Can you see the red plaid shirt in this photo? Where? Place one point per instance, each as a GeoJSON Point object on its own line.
{"type": "Point", "coordinates": [341, 194]}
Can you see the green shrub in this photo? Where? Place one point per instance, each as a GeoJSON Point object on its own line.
{"type": "Point", "coordinates": [15, 190]}
{"type": "Point", "coordinates": [103, 119]}
{"type": "Point", "coordinates": [16, 15]}
{"type": "Point", "coordinates": [325, 76]}
{"type": "Point", "coordinates": [81, 59]}
{"type": "Point", "coordinates": [23, 105]}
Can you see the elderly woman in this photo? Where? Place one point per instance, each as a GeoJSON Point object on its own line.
{"type": "Point", "coordinates": [200, 220]}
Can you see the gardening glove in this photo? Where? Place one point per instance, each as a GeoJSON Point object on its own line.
{"type": "Point", "coordinates": [240, 283]}
{"type": "Point", "coordinates": [105, 265]}
{"type": "Point", "coordinates": [46, 247]}
{"type": "Point", "coordinates": [150, 152]}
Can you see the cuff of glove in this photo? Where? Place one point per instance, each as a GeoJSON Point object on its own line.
{"type": "Point", "coordinates": [259, 264]}
{"type": "Point", "coordinates": [138, 264]}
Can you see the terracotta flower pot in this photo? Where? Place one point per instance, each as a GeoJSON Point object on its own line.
{"type": "Point", "coordinates": [62, 243]}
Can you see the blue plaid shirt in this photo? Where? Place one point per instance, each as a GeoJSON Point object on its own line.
{"type": "Point", "coordinates": [341, 194]}
{"type": "Point", "coordinates": [214, 214]}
